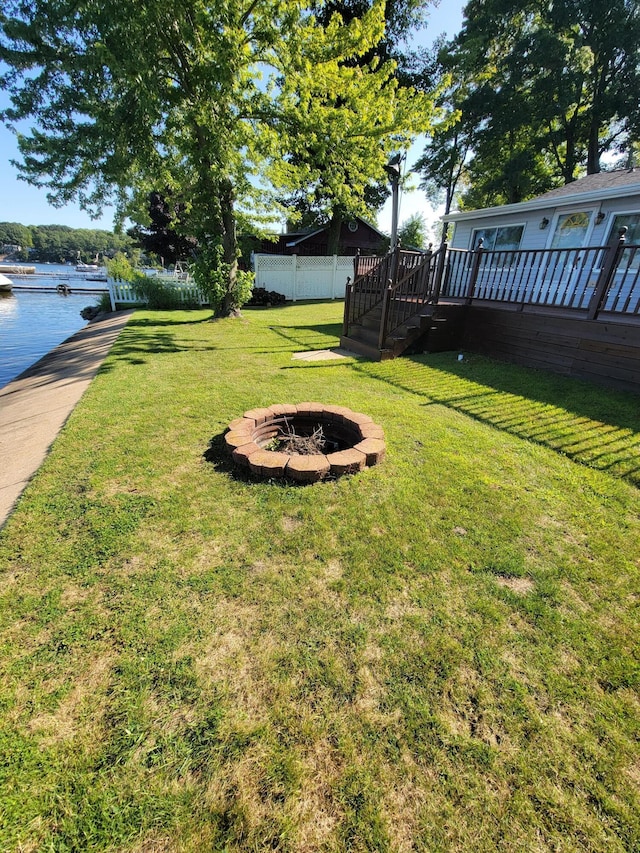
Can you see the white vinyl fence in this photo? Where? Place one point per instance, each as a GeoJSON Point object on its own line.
{"type": "Point", "coordinates": [305, 277]}
{"type": "Point", "coordinates": [123, 293]}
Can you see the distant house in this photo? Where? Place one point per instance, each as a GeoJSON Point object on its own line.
{"type": "Point", "coordinates": [586, 212]}
{"type": "Point", "coordinates": [356, 235]}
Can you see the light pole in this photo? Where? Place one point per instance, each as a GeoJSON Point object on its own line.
{"type": "Point", "coordinates": [393, 170]}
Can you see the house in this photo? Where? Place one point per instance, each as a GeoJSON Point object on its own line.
{"type": "Point", "coordinates": [356, 235]}
{"type": "Point", "coordinates": [586, 212]}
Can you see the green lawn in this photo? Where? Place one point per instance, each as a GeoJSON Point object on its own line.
{"type": "Point", "coordinates": [437, 654]}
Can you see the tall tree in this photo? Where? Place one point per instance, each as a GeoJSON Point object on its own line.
{"type": "Point", "coordinates": [161, 235]}
{"type": "Point", "coordinates": [348, 120]}
{"type": "Point", "coordinates": [550, 87]}
{"type": "Point", "coordinates": [318, 203]}
{"type": "Point", "coordinates": [183, 94]}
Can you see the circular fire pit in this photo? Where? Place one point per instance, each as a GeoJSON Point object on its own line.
{"type": "Point", "coordinates": [334, 441]}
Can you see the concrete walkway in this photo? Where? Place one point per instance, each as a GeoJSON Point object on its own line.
{"type": "Point", "coordinates": [36, 405]}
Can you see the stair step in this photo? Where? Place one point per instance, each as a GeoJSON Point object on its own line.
{"type": "Point", "coordinates": [367, 336]}
{"type": "Point", "coordinates": [361, 348]}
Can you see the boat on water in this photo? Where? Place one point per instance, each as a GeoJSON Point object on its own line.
{"type": "Point", "coordinates": [5, 284]}
{"type": "Point", "coordinates": [87, 268]}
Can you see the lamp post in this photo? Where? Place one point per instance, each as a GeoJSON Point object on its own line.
{"type": "Point", "coordinates": [393, 170]}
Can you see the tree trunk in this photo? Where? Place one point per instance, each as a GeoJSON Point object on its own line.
{"type": "Point", "coordinates": [593, 152]}
{"type": "Point", "coordinates": [229, 245]}
{"type": "Point", "coordinates": [333, 238]}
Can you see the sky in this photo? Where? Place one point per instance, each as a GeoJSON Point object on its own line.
{"type": "Point", "coordinates": [20, 202]}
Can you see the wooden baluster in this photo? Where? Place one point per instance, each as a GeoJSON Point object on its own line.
{"type": "Point", "coordinates": [473, 277]}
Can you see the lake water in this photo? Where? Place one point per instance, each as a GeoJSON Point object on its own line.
{"type": "Point", "coordinates": [35, 321]}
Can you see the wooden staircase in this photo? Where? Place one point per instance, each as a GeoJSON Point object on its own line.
{"type": "Point", "coordinates": [392, 307]}
{"type": "Point", "coordinates": [434, 329]}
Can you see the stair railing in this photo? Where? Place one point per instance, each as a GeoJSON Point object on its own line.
{"type": "Point", "coordinates": [371, 277]}
{"type": "Point", "coordinates": [416, 283]}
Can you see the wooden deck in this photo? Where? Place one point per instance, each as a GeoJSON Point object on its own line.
{"type": "Point", "coordinates": [571, 312]}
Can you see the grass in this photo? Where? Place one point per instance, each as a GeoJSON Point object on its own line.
{"type": "Point", "coordinates": [438, 654]}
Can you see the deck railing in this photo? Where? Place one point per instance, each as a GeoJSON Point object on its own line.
{"type": "Point", "coordinates": [558, 277]}
{"type": "Point", "coordinates": [593, 279]}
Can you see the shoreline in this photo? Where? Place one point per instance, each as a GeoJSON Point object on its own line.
{"type": "Point", "coordinates": [35, 406]}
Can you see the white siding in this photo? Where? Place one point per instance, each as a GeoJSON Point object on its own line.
{"type": "Point", "coordinates": [536, 238]}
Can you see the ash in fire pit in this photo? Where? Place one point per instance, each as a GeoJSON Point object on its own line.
{"type": "Point", "coordinates": [305, 442]}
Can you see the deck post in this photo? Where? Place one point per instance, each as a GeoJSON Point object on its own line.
{"type": "Point", "coordinates": [614, 252]}
{"type": "Point", "coordinates": [385, 315]}
{"type": "Point", "coordinates": [475, 266]}
{"type": "Point", "coordinates": [347, 306]}
{"type": "Point", "coordinates": [437, 285]}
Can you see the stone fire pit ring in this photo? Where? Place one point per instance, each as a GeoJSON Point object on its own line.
{"type": "Point", "coordinates": [354, 440]}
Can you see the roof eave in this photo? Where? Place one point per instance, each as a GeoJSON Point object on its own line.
{"type": "Point", "coordinates": [542, 203]}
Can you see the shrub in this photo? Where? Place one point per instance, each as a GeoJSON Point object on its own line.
{"type": "Point", "coordinates": [260, 296]}
{"type": "Point", "coordinates": [156, 292]}
{"type": "Point", "coordinates": [211, 273]}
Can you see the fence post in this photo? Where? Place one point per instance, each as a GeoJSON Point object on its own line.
{"type": "Point", "coordinates": [294, 267]}
{"type": "Point", "coordinates": [356, 258]}
{"type": "Point", "coordinates": [334, 273]}
{"type": "Point", "coordinates": [112, 299]}
{"type": "Point", "coordinates": [256, 269]}
{"type": "Point", "coordinates": [473, 277]}
{"type": "Point", "coordinates": [615, 247]}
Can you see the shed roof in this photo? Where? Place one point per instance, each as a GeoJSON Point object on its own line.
{"type": "Point", "coordinates": [603, 185]}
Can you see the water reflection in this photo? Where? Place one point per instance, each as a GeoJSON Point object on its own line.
{"type": "Point", "coordinates": [8, 305]}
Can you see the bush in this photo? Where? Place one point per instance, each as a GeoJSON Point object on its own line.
{"type": "Point", "coordinates": [156, 292]}
{"type": "Point", "coordinates": [212, 277]}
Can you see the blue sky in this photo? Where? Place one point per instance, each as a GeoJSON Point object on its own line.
{"type": "Point", "coordinates": [20, 202]}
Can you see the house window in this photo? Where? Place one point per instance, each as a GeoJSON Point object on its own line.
{"type": "Point", "coordinates": [571, 230]}
{"type": "Point", "coordinates": [505, 238]}
{"type": "Point", "coordinates": [630, 257]}
{"type": "Point", "coordinates": [632, 222]}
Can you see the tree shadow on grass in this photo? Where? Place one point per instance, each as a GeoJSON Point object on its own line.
{"type": "Point", "coordinates": [594, 426]}
{"type": "Point", "coordinates": [153, 322]}
{"type": "Point", "coordinates": [310, 337]}
{"type": "Point", "coordinates": [133, 345]}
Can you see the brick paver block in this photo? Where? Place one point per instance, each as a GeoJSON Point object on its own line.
{"type": "Point", "coordinates": [237, 438]}
{"type": "Point", "coordinates": [314, 410]}
{"type": "Point", "coordinates": [286, 410]}
{"type": "Point", "coordinates": [242, 422]}
{"type": "Point", "coordinates": [337, 414]}
{"type": "Point", "coordinates": [371, 431]}
{"type": "Point", "coordinates": [373, 448]}
{"type": "Point", "coordinates": [269, 463]}
{"type": "Point", "coordinates": [308, 469]}
{"type": "Point", "coordinates": [307, 408]}
{"type": "Point", "coordinates": [346, 461]}
{"type": "Point", "coordinates": [360, 419]}
{"type": "Point", "coordinates": [241, 454]}
{"type": "Point", "coordinates": [259, 415]}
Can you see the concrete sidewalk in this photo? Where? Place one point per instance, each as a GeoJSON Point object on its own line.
{"type": "Point", "coordinates": [35, 406]}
